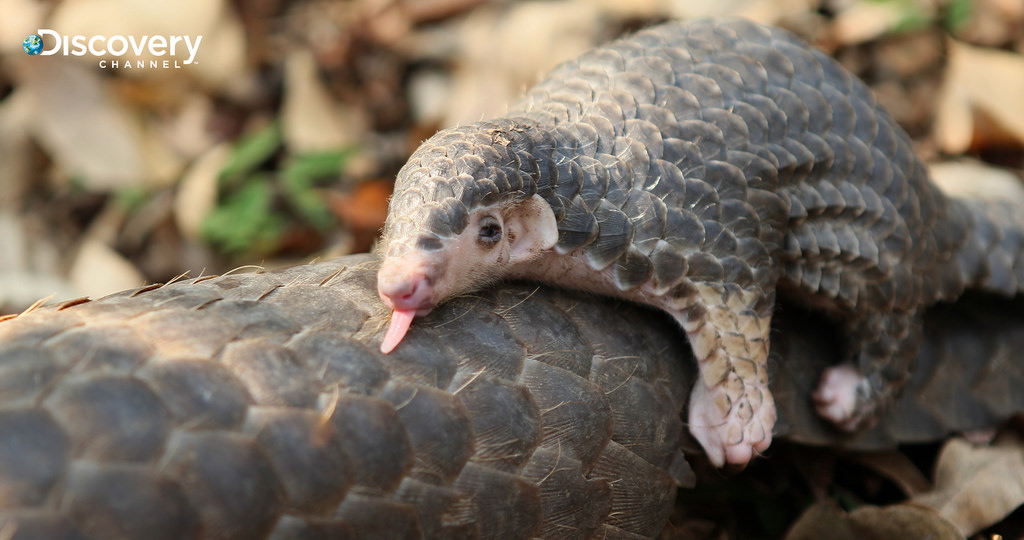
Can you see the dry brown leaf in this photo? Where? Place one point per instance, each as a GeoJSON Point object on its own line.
{"type": "Point", "coordinates": [617, 9]}
{"type": "Point", "coordinates": [21, 289]}
{"type": "Point", "coordinates": [976, 486]}
{"type": "Point", "coordinates": [826, 520]}
{"type": "Point", "coordinates": [434, 10]}
{"type": "Point", "coordinates": [954, 118]}
{"type": "Point", "coordinates": [15, 151]}
{"type": "Point", "coordinates": [428, 95]}
{"type": "Point", "coordinates": [363, 208]}
{"type": "Point", "coordinates": [825, 516]}
{"type": "Point", "coordinates": [991, 23]}
{"type": "Point", "coordinates": [766, 11]}
{"type": "Point", "coordinates": [197, 192]}
{"type": "Point", "coordinates": [113, 17]}
{"type": "Point", "coordinates": [762, 11]}
{"type": "Point", "coordinates": [310, 118]}
{"type": "Point", "coordinates": [163, 164]}
{"type": "Point", "coordinates": [895, 466]}
{"type": "Point", "coordinates": [91, 133]}
{"type": "Point", "coordinates": [188, 132]}
{"type": "Point", "coordinates": [28, 266]}
{"type": "Point", "coordinates": [980, 84]}
{"type": "Point", "coordinates": [12, 241]}
{"type": "Point", "coordinates": [864, 21]}
{"type": "Point", "coordinates": [86, 131]}
{"type": "Point", "coordinates": [98, 270]}
{"type": "Point", "coordinates": [222, 58]}
{"type": "Point", "coordinates": [977, 180]}
{"type": "Point", "coordinates": [903, 521]}
{"type": "Point", "coordinates": [508, 48]}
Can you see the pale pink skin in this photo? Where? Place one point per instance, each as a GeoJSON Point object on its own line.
{"type": "Point", "coordinates": [836, 398]}
{"type": "Point", "coordinates": [416, 281]}
{"type": "Point", "coordinates": [401, 320]}
{"type": "Point", "coordinates": [704, 418]}
{"type": "Point", "coordinates": [412, 283]}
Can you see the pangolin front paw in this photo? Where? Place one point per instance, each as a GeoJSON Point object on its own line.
{"type": "Point", "coordinates": [732, 430]}
{"type": "Point", "coordinates": [844, 398]}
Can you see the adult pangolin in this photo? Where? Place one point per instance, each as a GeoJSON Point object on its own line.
{"type": "Point", "coordinates": [701, 167]}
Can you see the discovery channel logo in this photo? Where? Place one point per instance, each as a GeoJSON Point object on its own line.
{"type": "Point", "coordinates": [118, 46]}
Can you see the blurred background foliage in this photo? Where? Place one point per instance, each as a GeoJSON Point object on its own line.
{"type": "Point", "coordinates": [279, 144]}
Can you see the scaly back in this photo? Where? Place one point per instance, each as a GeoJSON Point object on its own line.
{"type": "Point", "coordinates": [717, 151]}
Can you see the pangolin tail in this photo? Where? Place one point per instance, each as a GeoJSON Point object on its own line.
{"type": "Point", "coordinates": [992, 258]}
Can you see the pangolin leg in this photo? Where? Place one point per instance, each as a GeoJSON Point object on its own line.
{"type": "Point", "coordinates": [732, 412]}
{"type": "Point", "coordinates": [851, 395]}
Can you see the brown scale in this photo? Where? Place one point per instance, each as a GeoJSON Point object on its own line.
{"type": "Point", "coordinates": [256, 405]}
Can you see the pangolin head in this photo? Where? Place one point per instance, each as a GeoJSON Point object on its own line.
{"type": "Point", "coordinates": [456, 221]}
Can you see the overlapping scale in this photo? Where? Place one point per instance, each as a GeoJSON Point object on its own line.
{"type": "Point", "coordinates": [693, 142]}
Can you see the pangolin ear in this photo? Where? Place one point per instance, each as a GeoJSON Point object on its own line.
{"type": "Point", "coordinates": [532, 225]}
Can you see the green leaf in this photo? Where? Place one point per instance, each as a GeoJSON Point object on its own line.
{"type": "Point", "coordinates": [132, 198]}
{"type": "Point", "coordinates": [300, 178]}
{"type": "Point", "coordinates": [958, 12]}
{"type": "Point", "coordinates": [245, 222]}
{"type": "Point", "coordinates": [251, 152]}
{"type": "Point", "coordinates": [312, 207]}
{"type": "Point", "coordinates": [308, 168]}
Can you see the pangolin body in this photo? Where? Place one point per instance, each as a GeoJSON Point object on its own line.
{"type": "Point", "coordinates": [256, 407]}
{"type": "Point", "coordinates": [700, 167]}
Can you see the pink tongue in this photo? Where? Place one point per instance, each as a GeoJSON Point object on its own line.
{"type": "Point", "coordinates": [400, 321]}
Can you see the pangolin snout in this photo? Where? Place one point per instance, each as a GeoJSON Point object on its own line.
{"type": "Point", "coordinates": [406, 290]}
{"type": "Point", "coordinates": [409, 292]}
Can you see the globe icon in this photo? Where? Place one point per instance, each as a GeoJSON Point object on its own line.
{"type": "Point", "coordinates": [33, 44]}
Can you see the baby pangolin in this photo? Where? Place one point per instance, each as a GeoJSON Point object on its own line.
{"type": "Point", "coordinates": [700, 167]}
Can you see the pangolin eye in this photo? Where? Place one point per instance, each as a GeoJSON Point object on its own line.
{"type": "Point", "coordinates": [490, 232]}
